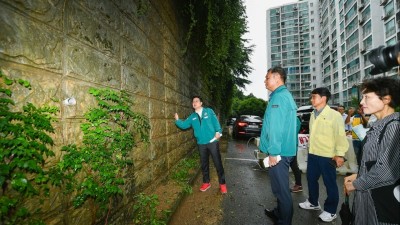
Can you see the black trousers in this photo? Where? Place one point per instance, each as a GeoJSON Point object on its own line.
{"type": "Point", "coordinates": [296, 171]}
{"type": "Point", "coordinates": [205, 151]}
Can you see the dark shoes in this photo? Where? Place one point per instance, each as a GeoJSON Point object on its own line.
{"type": "Point", "coordinates": [271, 214]}
{"type": "Point", "coordinates": [296, 188]}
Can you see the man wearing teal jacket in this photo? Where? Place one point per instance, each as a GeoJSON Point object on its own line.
{"type": "Point", "coordinates": [279, 138]}
{"type": "Point", "coordinates": [207, 131]}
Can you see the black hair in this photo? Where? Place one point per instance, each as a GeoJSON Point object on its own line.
{"type": "Point", "coordinates": [280, 71]}
{"type": "Point", "coordinates": [322, 91]}
{"type": "Point", "coordinates": [197, 96]}
{"type": "Point", "coordinates": [383, 86]}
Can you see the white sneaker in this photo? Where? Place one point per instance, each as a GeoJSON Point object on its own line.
{"type": "Point", "coordinates": [327, 217]}
{"type": "Point", "coordinates": [308, 205]}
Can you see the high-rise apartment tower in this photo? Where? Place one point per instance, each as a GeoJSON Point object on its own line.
{"type": "Point", "coordinates": [327, 43]}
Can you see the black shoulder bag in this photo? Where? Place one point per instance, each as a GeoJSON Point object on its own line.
{"type": "Point", "coordinates": [387, 207]}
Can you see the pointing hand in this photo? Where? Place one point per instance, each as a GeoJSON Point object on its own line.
{"type": "Point", "coordinates": [176, 116]}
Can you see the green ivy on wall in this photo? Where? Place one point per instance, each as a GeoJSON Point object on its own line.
{"type": "Point", "coordinates": [110, 133]}
{"type": "Point", "coordinates": [93, 171]}
{"type": "Point", "coordinates": [24, 145]}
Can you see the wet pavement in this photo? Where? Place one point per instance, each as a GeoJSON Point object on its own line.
{"type": "Point", "coordinates": [249, 190]}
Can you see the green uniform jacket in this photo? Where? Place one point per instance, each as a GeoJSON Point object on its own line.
{"type": "Point", "coordinates": [204, 128]}
{"type": "Point", "coordinates": [280, 126]}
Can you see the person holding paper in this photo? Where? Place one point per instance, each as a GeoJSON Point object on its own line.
{"type": "Point", "coordinates": [207, 131]}
{"type": "Point", "coordinates": [355, 118]}
{"type": "Point", "coordinates": [279, 138]}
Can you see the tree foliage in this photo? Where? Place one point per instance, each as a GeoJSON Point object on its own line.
{"type": "Point", "coordinates": [214, 39]}
{"type": "Point", "coordinates": [247, 105]}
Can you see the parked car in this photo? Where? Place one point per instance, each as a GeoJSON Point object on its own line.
{"type": "Point", "coordinates": [304, 113]}
{"type": "Point", "coordinates": [247, 126]}
{"type": "Point", "coordinates": [230, 121]}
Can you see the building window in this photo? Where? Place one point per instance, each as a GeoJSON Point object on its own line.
{"type": "Point", "coordinates": [390, 28]}
{"type": "Point", "coordinates": [392, 41]}
{"type": "Point", "coordinates": [389, 9]}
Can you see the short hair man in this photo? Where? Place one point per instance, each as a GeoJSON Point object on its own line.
{"type": "Point", "coordinates": [279, 138]}
{"type": "Point", "coordinates": [207, 131]}
{"type": "Point", "coordinates": [327, 147]}
{"type": "Point", "coordinates": [342, 111]}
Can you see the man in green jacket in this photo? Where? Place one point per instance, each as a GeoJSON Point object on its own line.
{"type": "Point", "coordinates": [279, 140]}
{"type": "Point", "coordinates": [207, 131]}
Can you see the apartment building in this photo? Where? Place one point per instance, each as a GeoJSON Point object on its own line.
{"type": "Point", "coordinates": [291, 35]}
{"type": "Point", "coordinates": [327, 43]}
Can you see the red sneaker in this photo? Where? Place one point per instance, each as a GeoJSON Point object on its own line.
{"type": "Point", "coordinates": [205, 186]}
{"type": "Point", "coordinates": [223, 188]}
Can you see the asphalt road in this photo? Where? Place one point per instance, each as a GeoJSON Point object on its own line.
{"type": "Point", "coordinates": [249, 190]}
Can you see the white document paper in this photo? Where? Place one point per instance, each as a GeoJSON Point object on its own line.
{"type": "Point", "coordinates": [212, 140]}
{"type": "Point", "coordinates": [266, 160]}
{"type": "Point", "coordinates": [360, 131]}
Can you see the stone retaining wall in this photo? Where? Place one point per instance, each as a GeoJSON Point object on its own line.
{"type": "Point", "coordinates": [66, 47]}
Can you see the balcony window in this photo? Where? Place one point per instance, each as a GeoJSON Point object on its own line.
{"type": "Point", "coordinates": [389, 9]}
{"type": "Point", "coordinates": [353, 39]}
{"type": "Point", "coordinates": [366, 14]}
{"type": "Point", "coordinates": [351, 26]}
{"type": "Point", "coordinates": [390, 28]}
{"type": "Point", "coordinates": [351, 13]}
{"type": "Point", "coordinates": [367, 43]}
{"type": "Point", "coordinates": [366, 29]}
{"type": "Point", "coordinates": [391, 41]}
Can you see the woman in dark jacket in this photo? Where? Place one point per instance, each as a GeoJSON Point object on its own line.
{"type": "Point", "coordinates": [377, 184]}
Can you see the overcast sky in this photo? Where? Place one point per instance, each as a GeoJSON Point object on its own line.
{"type": "Point", "coordinates": [256, 12]}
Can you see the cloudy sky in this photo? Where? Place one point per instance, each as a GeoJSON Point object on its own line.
{"type": "Point", "coordinates": [256, 11]}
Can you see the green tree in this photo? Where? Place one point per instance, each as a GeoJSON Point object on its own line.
{"type": "Point", "coordinates": [247, 104]}
{"type": "Point", "coordinates": [252, 106]}
{"type": "Point", "coordinates": [214, 39]}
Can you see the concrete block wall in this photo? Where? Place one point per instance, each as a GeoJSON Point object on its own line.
{"type": "Point", "coordinates": [65, 47]}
